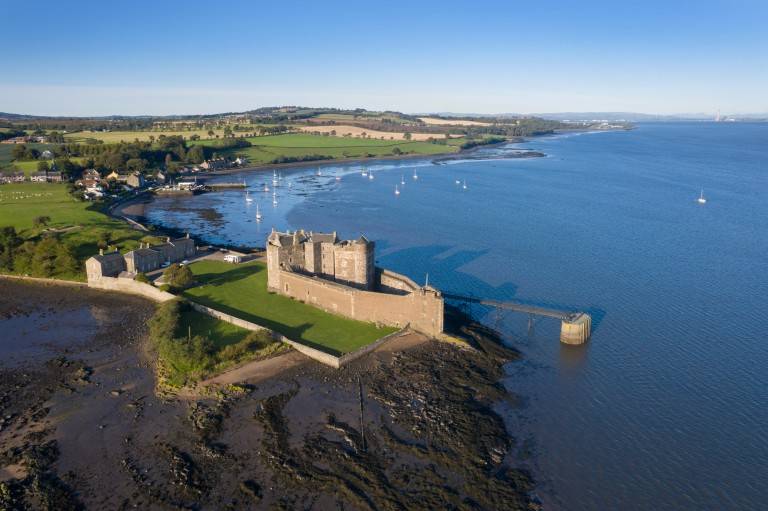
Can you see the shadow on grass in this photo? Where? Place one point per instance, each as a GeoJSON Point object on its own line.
{"type": "Point", "coordinates": [229, 276]}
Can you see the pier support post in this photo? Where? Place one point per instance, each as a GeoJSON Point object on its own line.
{"type": "Point", "coordinates": [576, 330]}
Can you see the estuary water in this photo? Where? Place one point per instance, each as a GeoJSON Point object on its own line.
{"type": "Point", "coordinates": [666, 407]}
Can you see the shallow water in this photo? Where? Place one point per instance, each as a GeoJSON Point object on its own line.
{"type": "Point", "coordinates": [665, 406]}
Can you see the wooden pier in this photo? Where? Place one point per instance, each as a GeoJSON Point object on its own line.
{"type": "Point", "coordinates": [575, 327]}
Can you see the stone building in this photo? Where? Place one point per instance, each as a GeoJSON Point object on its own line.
{"type": "Point", "coordinates": [348, 262]}
{"type": "Point", "coordinates": [144, 259]}
{"type": "Point", "coordinates": [105, 265]}
{"type": "Point", "coordinates": [340, 276]}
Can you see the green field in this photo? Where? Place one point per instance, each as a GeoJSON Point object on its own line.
{"type": "Point", "coordinates": [113, 137]}
{"type": "Point", "coordinates": [30, 166]}
{"type": "Point", "coordinates": [241, 290]}
{"type": "Point", "coordinates": [85, 225]}
{"type": "Point", "coordinates": [220, 332]}
{"type": "Point", "coordinates": [295, 145]}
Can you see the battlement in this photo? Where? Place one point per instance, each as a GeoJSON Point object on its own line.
{"type": "Point", "coordinates": [340, 276]}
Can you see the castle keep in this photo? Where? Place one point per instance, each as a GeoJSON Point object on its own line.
{"type": "Point", "coordinates": [340, 276]}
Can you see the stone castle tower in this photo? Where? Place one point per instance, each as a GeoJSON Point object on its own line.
{"type": "Point", "coordinates": [348, 262]}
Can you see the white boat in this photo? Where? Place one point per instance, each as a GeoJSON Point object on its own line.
{"type": "Point", "coordinates": [464, 186]}
{"type": "Point", "coordinates": [415, 175]}
{"type": "Point", "coordinates": [248, 197]}
{"type": "Point", "coordinates": [319, 173]}
{"type": "Point", "coordinates": [701, 199]}
{"type": "Point", "coordinates": [338, 177]}
{"type": "Point", "coordinates": [370, 175]}
{"type": "Point", "coordinates": [258, 213]}
{"type": "Point", "coordinates": [397, 190]}
{"type": "Point", "coordinates": [274, 199]}
{"type": "Point", "coordinates": [402, 180]}
{"type": "Point", "coordinates": [364, 172]}
{"type": "Point", "coordinates": [266, 188]}
{"type": "Point", "coordinates": [458, 182]}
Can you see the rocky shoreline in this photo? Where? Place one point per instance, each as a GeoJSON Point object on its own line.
{"type": "Point", "coordinates": [411, 427]}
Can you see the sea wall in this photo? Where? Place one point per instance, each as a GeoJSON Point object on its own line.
{"type": "Point", "coordinates": [421, 309]}
{"type": "Point", "coordinates": [58, 282]}
{"type": "Point", "coordinates": [130, 286]}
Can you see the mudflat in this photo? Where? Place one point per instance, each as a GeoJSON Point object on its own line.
{"type": "Point", "coordinates": [411, 426]}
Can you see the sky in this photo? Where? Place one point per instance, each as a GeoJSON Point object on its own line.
{"type": "Point", "coordinates": [171, 57]}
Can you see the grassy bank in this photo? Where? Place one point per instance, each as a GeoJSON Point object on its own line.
{"type": "Point", "coordinates": [191, 346]}
{"type": "Point", "coordinates": [79, 225]}
{"type": "Point", "coordinates": [242, 291]}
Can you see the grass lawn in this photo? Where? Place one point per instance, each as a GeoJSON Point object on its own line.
{"type": "Point", "coordinates": [241, 290]}
{"type": "Point", "coordinates": [21, 203]}
{"type": "Point", "coordinates": [268, 148]}
{"type": "Point", "coordinates": [220, 332]}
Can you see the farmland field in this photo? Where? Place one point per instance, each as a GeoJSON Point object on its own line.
{"type": "Point", "coordinates": [356, 131]}
{"type": "Point", "coordinates": [130, 136]}
{"type": "Point", "coordinates": [296, 145]}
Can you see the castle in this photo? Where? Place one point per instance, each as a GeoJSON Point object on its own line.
{"type": "Point", "coordinates": [340, 276]}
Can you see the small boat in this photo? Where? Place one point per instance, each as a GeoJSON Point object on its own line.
{"type": "Point", "coordinates": [415, 175]}
{"type": "Point", "coordinates": [364, 172]}
{"type": "Point", "coordinates": [464, 186]}
{"type": "Point", "coordinates": [701, 199]}
{"type": "Point", "coordinates": [458, 182]}
{"type": "Point", "coordinates": [266, 188]}
{"type": "Point", "coordinates": [402, 180]}
{"type": "Point", "coordinates": [248, 197]}
{"type": "Point", "coordinates": [274, 199]}
{"type": "Point", "coordinates": [274, 178]}
{"type": "Point", "coordinates": [370, 175]}
{"type": "Point", "coordinates": [338, 177]}
{"type": "Point", "coordinates": [397, 190]}
{"type": "Point", "coordinates": [258, 213]}
{"type": "Point", "coordinates": [319, 173]}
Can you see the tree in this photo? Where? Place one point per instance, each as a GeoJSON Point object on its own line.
{"type": "Point", "coordinates": [18, 151]}
{"type": "Point", "coordinates": [210, 133]}
{"type": "Point", "coordinates": [41, 221]}
{"type": "Point", "coordinates": [9, 241]}
{"type": "Point", "coordinates": [407, 136]}
{"type": "Point", "coordinates": [136, 164]}
{"type": "Point", "coordinates": [42, 166]}
{"type": "Point", "coordinates": [196, 154]}
{"type": "Point", "coordinates": [178, 276]}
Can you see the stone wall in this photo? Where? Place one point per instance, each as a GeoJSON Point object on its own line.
{"type": "Point", "coordinates": [131, 287]}
{"type": "Point", "coordinates": [421, 309]}
{"type": "Point", "coordinates": [315, 354]}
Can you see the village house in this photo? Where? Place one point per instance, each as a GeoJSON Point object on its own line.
{"type": "Point", "coordinates": [160, 177]}
{"type": "Point", "coordinates": [144, 259]}
{"type": "Point", "coordinates": [214, 164]}
{"type": "Point", "coordinates": [135, 180]}
{"type": "Point", "coordinates": [38, 177]}
{"type": "Point", "coordinates": [54, 176]}
{"type": "Point", "coordinates": [104, 265]}
{"type": "Point", "coordinates": [13, 177]}
{"type": "Point", "coordinates": [117, 176]}
{"type": "Point", "coordinates": [47, 154]}
{"type": "Point", "coordinates": [90, 179]}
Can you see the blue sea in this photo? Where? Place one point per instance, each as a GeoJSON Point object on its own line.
{"type": "Point", "coordinates": [666, 407]}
